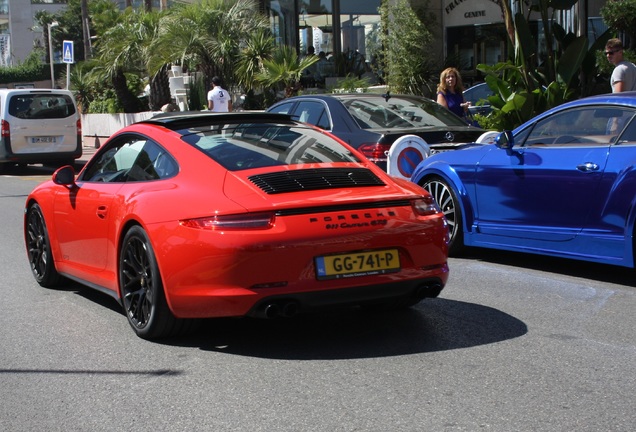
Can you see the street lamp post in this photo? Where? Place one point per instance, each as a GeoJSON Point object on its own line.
{"type": "Point", "coordinates": [50, 26]}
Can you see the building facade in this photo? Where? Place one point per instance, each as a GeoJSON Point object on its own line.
{"type": "Point", "coordinates": [474, 32]}
{"type": "Point", "coordinates": [469, 31]}
{"type": "Point", "coordinates": [19, 33]}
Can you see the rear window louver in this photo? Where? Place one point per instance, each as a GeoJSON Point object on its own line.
{"type": "Point", "coordinates": [315, 179]}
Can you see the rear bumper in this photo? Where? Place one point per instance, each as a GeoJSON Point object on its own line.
{"type": "Point", "coordinates": [287, 305]}
{"type": "Point", "coordinates": [8, 156]}
{"type": "Point", "coordinates": [271, 302]}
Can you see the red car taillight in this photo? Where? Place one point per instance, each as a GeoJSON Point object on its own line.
{"type": "Point", "coordinates": [5, 129]}
{"type": "Point", "coordinates": [250, 221]}
{"type": "Point", "coordinates": [79, 127]}
{"type": "Point", "coordinates": [375, 152]}
{"type": "Point", "coordinates": [425, 206]}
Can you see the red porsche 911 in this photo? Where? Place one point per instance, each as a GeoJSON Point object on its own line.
{"type": "Point", "coordinates": [199, 215]}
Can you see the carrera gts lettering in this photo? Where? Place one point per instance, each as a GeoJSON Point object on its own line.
{"type": "Point", "coordinates": [352, 217]}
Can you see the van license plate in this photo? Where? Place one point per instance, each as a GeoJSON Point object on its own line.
{"type": "Point", "coordinates": [357, 264]}
{"type": "Point", "coordinates": [40, 140]}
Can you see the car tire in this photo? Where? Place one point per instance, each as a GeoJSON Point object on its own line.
{"type": "Point", "coordinates": [447, 201]}
{"type": "Point", "coordinates": [38, 246]}
{"type": "Point", "coordinates": [141, 288]}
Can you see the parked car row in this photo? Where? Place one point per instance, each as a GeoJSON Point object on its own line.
{"type": "Point", "coordinates": [270, 214]}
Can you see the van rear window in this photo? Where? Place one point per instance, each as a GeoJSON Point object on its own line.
{"type": "Point", "coordinates": [41, 106]}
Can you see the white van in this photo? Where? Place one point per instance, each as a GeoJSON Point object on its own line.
{"type": "Point", "coordinates": [39, 126]}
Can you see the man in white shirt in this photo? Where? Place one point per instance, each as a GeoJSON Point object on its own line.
{"type": "Point", "coordinates": [624, 75]}
{"type": "Point", "coordinates": [219, 99]}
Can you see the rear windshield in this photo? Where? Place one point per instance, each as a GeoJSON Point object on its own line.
{"type": "Point", "coordinates": [399, 112]}
{"type": "Point", "coordinates": [35, 106]}
{"type": "Point", "coordinates": [256, 145]}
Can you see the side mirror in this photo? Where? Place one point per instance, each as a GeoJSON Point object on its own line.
{"type": "Point", "coordinates": [64, 176]}
{"type": "Point", "coordinates": [505, 140]}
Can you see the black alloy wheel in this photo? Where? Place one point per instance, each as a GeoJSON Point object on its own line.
{"type": "Point", "coordinates": [141, 288]}
{"type": "Point", "coordinates": [38, 247]}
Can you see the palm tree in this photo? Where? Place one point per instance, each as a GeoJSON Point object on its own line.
{"type": "Point", "coordinates": [258, 47]}
{"type": "Point", "coordinates": [207, 36]}
{"type": "Point", "coordinates": [286, 68]}
{"type": "Point", "coordinates": [82, 85]}
{"type": "Point", "coordinates": [147, 37]}
{"type": "Point", "coordinates": [159, 89]}
{"type": "Point", "coordinates": [128, 47]}
{"type": "Point", "coordinates": [118, 51]}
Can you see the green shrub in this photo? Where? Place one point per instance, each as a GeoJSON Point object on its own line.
{"type": "Point", "coordinates": [32, 69]}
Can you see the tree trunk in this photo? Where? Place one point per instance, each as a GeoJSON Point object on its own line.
{"type": "Point", "coordinates": [159, 89]}
{"type": "Point", "coordinates": [128, 101]}
{"type": "Point", "coordinates": [508, 21]}
{"type": "Point", "coordinates": [86, 33]}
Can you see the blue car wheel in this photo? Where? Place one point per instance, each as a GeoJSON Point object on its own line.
{"type": "Point", "coordinates": [446, 199]}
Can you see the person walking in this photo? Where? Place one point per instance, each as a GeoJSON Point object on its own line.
{"type": "Point", "coordinates": [219, 99]}
{"type": "Point", "coordinates": [450, 92]}
{"type": "Point", "coordinates": [624, 75]}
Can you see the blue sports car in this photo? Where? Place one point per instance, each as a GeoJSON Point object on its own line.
{"type": "Point", "coordinates": [562, 184]}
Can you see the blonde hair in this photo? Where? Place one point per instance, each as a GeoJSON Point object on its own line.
{"type": "Point", "coordinates": [459, 86]}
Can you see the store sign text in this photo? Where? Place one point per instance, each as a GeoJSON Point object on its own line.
{"type": "Point", "coordinates": [473, 14]}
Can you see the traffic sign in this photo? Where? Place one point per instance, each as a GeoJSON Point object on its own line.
{"type": "Point", "coordinates": [408, 159]}
{"type": "Point", "coordinates": [67, 52]}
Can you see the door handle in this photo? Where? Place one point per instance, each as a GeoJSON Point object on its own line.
{"type": "Point", "coordinates": [587, 167]}
{"type": "Point", "coordinates": [102, 211]}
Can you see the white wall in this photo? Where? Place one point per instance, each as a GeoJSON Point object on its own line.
{"type": "Point", "coordinates": [104, 125]}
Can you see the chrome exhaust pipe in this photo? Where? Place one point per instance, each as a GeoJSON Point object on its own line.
{"type": "Point", "coordinates": [290, 309]}
{"type": "Point", "coordinates": [428, 291]}
{"type": "Point", "coordinates": [272, 310]}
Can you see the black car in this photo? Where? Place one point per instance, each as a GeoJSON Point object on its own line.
{"type": "Point", "coordinates": [373, 122]}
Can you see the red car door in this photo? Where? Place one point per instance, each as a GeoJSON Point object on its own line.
{"type": "Point", "coordinates": [82, 219]}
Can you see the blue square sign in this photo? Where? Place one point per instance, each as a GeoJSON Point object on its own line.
{"type": "Point", "coordinates": [67, 52]}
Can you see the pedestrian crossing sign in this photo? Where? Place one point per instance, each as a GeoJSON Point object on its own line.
{"type": "Point", "coordinates": [67, 52]}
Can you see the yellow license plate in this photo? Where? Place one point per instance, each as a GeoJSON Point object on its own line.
{"type": "Point", "coordinates": [357, 264]}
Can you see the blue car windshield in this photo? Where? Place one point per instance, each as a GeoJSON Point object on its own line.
{"type": "Point", "coordinates": [256, 145]}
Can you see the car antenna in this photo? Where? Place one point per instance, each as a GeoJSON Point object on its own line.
{"type": "Point", "coordinates": [386, 96]}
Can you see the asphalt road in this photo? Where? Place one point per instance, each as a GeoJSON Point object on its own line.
{"type": "Point", "coordinates": [514, 343]}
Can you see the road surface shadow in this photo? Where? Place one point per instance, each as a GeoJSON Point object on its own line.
{"type": "Point", "coordinates": [582, 269]}
{"type": "Point", "coordinates": [36, 169]}
{"type": "Point", "coordinates": [432, 325]}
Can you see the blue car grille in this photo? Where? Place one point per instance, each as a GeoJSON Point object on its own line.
{"type": "Point", "coordinates": [315, 179]}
